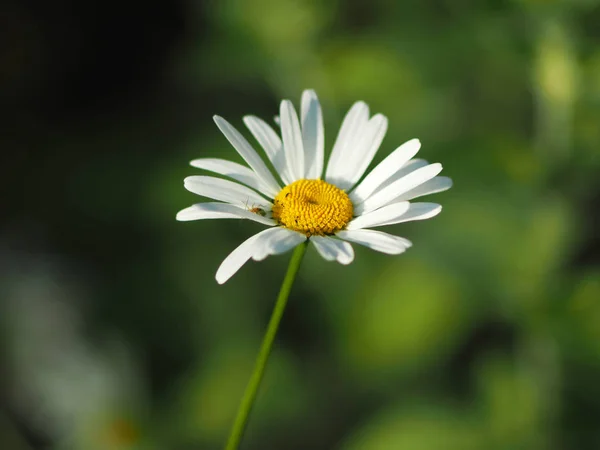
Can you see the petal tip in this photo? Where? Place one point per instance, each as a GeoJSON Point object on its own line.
{"type": "Point", "coordinates": [310, 93]}
{"type": "Point", "coordinates": [222, 276]}
{"type": "Point", "coordinates": [188, 180]}
{"type": "Point", "coordinates": [414, 142]}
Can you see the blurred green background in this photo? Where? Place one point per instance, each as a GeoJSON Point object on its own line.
{"type": "Point", "coordinates": [114, 332]}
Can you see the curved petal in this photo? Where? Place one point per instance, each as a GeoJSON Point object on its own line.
{"type": "Point", "coordinates": [358, 156]}
{"type": "Point", "coordinates": [280, 241]}
{"type": "Point", "coordinates": [416, 211]}
{"type": "Point", "coordinates": [229, 169]}
{"type": "Point", "coordinates": [397, 188]}
{"type": "Point", "coordinates": [332, 249]}
{"type": "Point", "coordinates": [433, 186]}
{"type": "Point", "coordinates": [355, 121]}
{"type": "Point", "coordinates": [292, 140]}
{"type": "Point", "coordinates": [313, 135]}
{"type": "Point", "coordinates": [224, 191]}
{"type": "Point", "coordinates": [270, 141]}
{"type": "Point", "coordinates": [407, 168]}
{"type": "Point", "coordinates": [385, 169]}
{"type": "Point", "coordinates": [253, 247]}
{"type": "Point", "coordinates": [213, 210]}
{"type": "Point", "coordinates": [377, 240]}
{"type": "Point", "coordinates": [243, 147]}
{"type": "Point", "coordinates": [379, 216]}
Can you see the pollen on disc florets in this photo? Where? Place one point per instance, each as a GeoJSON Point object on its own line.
{"type": "Point", "coordinates": [313, 207]}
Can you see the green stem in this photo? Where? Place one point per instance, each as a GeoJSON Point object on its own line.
{"type": "Point", "coordinates": [241, 419]}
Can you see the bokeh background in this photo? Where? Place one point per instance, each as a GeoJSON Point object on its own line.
{"type": "Point", "coordinates": [114, 333]}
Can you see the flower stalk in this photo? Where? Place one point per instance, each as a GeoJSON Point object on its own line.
{"type": "Point", "coordinates": [247, 402]}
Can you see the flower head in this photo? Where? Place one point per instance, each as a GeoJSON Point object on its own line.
{"type": "Point", "coordinates": [330, 211]}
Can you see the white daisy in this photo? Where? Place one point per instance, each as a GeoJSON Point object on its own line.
{"type": "Point", "coordinates": [330, 211]}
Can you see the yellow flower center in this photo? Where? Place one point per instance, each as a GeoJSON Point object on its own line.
{"type": "Point", "coordinates": [313, 207]}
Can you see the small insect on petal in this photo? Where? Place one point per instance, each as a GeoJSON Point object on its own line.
{"type": "Point", "coordinates": [259, 211]}
{"type": "Point", "coordinates": [255, 209]}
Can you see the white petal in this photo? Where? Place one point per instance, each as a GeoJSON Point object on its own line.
{"type": "Point", "coordinates": [397, 188]}
{"type": "Point", "coordinates": [379, 216]}
{"type": "Point", "coordinates": [230, 169]}
{"type": "Point", "coordinates": [254, 246]}
{"type": "Point", "coordinates": [358, 156]}
{"type": "Point", "coordinates": [239, 142]}
{"type": "Point", "coordinates": [220, 211]}
{"type": "Point", "coordinates": [313, 135]}
{"type": "Point", "coordinates": [332, 249]}
{"type": "Point", "coordinates": [416, 211]}
{"type": "Point", "coordinates": [271, 143]}
{"type": "Point", "coordinates": [224, 191]}
{"type": "Point", "coordinates": [292, 140]}
{"type": "Point", "coordinates": [407, 168]}
{"type": "Point", "coordinates": [385, 169]}
{"type": "Point", "coordinates": [241, 255]}
{"type": "Point", "coordinates": [377, 240]}
{"type": "Point", "coordinates": [433, 186]}
{"type": "Point", "coordinates": [278, 242]}
{"type": "Point", "coordinates": [355, 121]}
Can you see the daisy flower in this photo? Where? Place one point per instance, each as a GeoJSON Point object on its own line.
{"type": "Point", "coordinates": [331, 206]}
